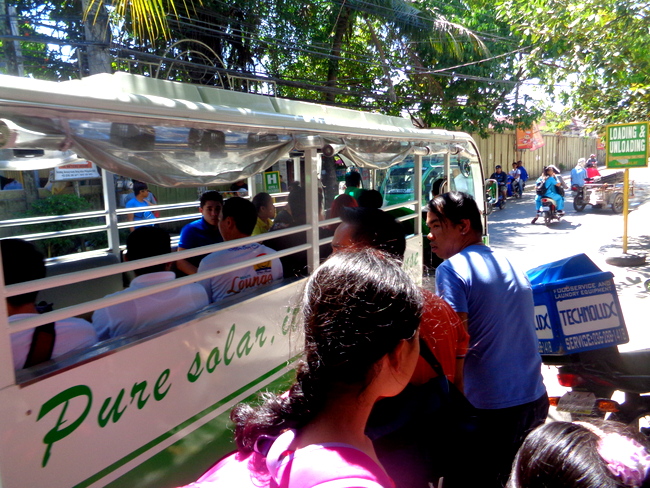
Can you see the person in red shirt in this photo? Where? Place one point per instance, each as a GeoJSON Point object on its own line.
{"type": "Point", "coordinates": [441, 328]}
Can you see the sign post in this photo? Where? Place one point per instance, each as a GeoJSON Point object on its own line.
{"type": "Point", "coordinates": [272, 181]}
{"type": "Point", "coordinates": [627, 147]}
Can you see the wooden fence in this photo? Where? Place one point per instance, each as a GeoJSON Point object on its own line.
{"type": "Point", "coordinates": [562, 151]}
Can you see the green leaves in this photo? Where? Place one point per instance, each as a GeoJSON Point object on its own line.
{"type": "Point", "coordinates": [598, 46]}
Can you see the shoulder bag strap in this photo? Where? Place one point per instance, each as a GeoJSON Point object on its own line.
{"type": "Point", "coordinates": [42, 345]}
{"type": "Point", "coordinates": [430, 358]}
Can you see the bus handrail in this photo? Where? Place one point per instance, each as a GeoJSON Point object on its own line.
{"type": "Point", "coordinates": [62, 233]}
{"type": "Point", "coordinates": [92, 305]}
{"type": "Point", "coordinates": [102, 272]}
{"type": "Point", "coordinates": [51, 218]}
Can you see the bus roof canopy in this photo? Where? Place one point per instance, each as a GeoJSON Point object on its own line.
{"type": "Point", "coordinates": [179, 134]}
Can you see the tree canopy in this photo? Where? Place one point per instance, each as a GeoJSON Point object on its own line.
{"type": "Point", "coordinates": [451, 65]}
{"type": "Point", "coordinates": [594, 50]}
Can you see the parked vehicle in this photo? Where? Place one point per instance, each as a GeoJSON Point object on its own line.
{"type": "Point", "coordinates": [606, 191]}
{"type": "Point", "coordinates": [151, 408]}
{"type": "Point", "coordinates": [595, 375]}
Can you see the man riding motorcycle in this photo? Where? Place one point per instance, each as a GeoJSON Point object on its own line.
{"type": "Point", "coordinates": [578, 174]}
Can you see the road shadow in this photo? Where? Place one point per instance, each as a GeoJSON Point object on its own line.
{"type": "Point", "coordinates": [634, 277]}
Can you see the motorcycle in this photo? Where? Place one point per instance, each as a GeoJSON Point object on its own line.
{"type": "Point", "coordinates": [595, 375]}
{"type": "Point", "coordinates": [515, 187]}
{"type": "Point", "coordinates": [549, 211]}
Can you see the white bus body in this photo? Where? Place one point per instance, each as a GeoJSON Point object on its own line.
{"type": "Point", "coordinates": [151, 409]}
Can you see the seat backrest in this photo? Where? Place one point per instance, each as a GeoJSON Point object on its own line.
{"type": "Point", "coordinates": [75, 293]}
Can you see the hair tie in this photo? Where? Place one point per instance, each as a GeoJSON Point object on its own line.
{"type": "Point", "coordinates": [626, 458]}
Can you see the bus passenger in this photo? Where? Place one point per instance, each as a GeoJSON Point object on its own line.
{"type": "Point", "coordinates": [370, 199]}
{"type": "Point", "coordinates": [338, 204]}
{"type": "Point", "coordinates": [295, 264]}
{"type": "Point", "coordinates": [265, 213]}
{"type": "Point", "coordinates": [441, 327]}
{"type": "Point", "coordinates": [313, 435]}
{"type": "Point", "coordinates": [294, 212]}
{"type": "Point", "coordinates": [353, 184]}
{"type": "Point", "coordinates": [141, 192]}
{"type": "Point", "coordinates": [120, 319]}
{"type": "Point", "coordinates": [202, 232]}
{"type": "Point", "coordinates": [238, 218]}
{"type": "Point", "coordinates": [21, 262]}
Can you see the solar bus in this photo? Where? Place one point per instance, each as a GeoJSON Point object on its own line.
{"type": "Point", "coordinates": [150, 408]}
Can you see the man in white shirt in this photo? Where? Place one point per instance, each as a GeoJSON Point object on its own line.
{"type": "Point", "coordinates": [238, 219]}
{"type": "Point", "coordinates": [22, 262]}
{"type": "Point", "coordinates": [120, 319]}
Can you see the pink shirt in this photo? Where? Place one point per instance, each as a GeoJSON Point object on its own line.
{"type": "Point", "coordinates": [329, 465]}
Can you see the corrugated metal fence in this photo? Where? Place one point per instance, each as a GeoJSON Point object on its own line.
{"type": "Point", "coordinates": [562, 151]}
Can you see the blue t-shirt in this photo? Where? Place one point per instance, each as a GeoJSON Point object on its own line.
{"type": "Point", "coordinates": [196, 234]}
{"type": "Point", "coordinates": [502, 366]}
{"type": "Point", "coordinates": [134, 203]}
{"type": "Point", "coordinates": [524, 173]}
{"type": "Point", "coordinates": [502, 178]}
{"type": "Point", "coordinates": [578, 176]}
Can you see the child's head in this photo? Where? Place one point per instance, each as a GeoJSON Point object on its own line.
{"type": "Point", "coordinates": [581, 455]}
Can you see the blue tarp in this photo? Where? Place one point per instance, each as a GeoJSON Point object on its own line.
{"type": "Point", "coordinates": [571, 267]}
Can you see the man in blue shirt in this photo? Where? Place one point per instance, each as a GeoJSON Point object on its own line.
{"type": "Point", "coordinates": [502, 372]}
{"type": "Point", "coordinates": [524, 173]}
{"type": "Point", "coordinates": [579, 173]}
{"type": "Point", "coordinates": [502, 179]}
{"type": "Point", "coordinates": [141, 192]}
{"type": "Point", "coordinates": [202, 232]}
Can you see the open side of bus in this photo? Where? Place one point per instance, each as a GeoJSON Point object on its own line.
{"type": "Point", "coordinates": [151, 408]}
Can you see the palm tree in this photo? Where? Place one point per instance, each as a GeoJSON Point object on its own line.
{"type": "Point", "coordinates": [385, 22]}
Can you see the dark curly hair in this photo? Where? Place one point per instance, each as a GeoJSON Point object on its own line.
{"type": "Point", "coordinates": [357, 307]}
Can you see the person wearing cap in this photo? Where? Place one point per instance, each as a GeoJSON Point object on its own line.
{"type": "Point", "coordinates": [592, 159]}
{"type": "Point", "coordinates": [592, 169]}
{"type": "Point", "coordinates": [502, 179]}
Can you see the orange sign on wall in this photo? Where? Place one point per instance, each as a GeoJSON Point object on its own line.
{"type": "Point", "coordinates": [530, 139]}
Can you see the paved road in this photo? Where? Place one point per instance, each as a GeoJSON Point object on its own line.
{"type": "Point", "coordinates": [597, 233]}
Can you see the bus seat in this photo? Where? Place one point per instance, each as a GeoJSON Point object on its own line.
{"type": "Point", "coordinates": [75, 293]}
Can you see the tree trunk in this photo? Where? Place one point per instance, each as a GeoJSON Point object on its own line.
{"type": "Point", "coordinates": [98, 33]}
{"type": "Point", "coordinates": [30, 186]}
{"type": "Point", "coordinates": [341, 27]}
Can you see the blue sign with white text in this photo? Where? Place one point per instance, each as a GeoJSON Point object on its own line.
{"type": "Point", "coordinates": [576, 307]}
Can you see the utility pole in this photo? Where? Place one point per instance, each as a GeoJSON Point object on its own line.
{"type": "Point", "coordinates": [12, 49]}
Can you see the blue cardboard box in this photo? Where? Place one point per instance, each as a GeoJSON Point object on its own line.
{"type": "Point", "coordinates": [576, 307]}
